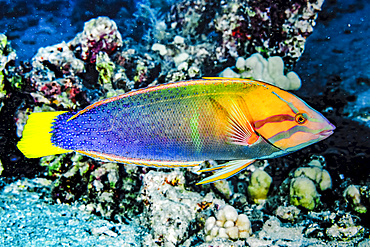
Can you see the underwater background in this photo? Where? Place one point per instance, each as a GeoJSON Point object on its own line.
{"type": "Point", "coordinates": [66, 55]}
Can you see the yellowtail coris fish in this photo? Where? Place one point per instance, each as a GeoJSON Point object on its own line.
{"type": "Point", "coordinates": [181, 125]}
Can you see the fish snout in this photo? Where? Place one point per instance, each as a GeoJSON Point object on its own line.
{"type": "Point", "coordinates": [328, 131]}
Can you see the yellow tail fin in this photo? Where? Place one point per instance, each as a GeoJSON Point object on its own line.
{"type": "Point", "coordinates": [36, 137]}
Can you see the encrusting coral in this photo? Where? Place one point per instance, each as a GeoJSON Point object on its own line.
{"type": "Point", "coordinates": [100, 34]}
{"type": "Point", "coordinates": [269, 27]}
{"type": "Point", "coordinates": [55, 75]}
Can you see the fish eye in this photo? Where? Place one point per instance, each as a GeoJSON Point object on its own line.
{"type": "Point", "coordinates": [300, 118]}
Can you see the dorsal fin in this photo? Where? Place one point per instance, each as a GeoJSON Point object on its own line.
{"type": "Point", "coordinates": [226, 78]}
{"type": "Point", "coordinates": [141, 91]}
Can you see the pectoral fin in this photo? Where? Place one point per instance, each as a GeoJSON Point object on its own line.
{"type": "Point", "coordinates": [240, 129]}
{"type": "Point", "coordinates": [227, 170]}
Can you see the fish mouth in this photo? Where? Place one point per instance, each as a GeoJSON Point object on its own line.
{"type": "Point", "coordinates": [326, 133]}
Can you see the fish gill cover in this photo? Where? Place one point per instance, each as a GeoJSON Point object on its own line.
{"type": "Point", "coordinates": [73, 53]}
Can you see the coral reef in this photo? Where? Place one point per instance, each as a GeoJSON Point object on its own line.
{"type": "Point", "coordinates": [7, 55]}
{"type": "Point", "coordinates": [99, 35]}
{"type": "Point", "coordinates": [344, 229]}
{"type": "Point", "coordinates": [107, 189]}
{"type": "Point", "coordinates": [272, 28]}
{"type": "Point", "coordinates": [71, 75]}
{"type": "Point", "coordinates": [183, 60]}
{"type": "Point", "coordinates": [55, 76]}
{"type": "Point", "coordinates": [170, 209]}
{"type": "Point", "coordinates": [134, 70]}
{"type": "Point", "coordinates": [240, 29]}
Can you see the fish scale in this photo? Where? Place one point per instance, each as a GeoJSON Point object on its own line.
{"type": "Point", "coordinates": [160, 125]}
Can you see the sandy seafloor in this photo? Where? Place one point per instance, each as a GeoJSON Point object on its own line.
{"type": "Point", "coordinates": [339, 45]}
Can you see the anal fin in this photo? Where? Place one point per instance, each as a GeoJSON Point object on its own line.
{"type": "Point", "coordinates": [213, 168]}
{"type": "Point", "coordinates": [228, 169]}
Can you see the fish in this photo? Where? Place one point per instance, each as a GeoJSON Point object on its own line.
{"type": "Point", "coordinates": [182, 124]}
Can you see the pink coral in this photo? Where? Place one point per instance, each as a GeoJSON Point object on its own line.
{"type": "Point", "coordinates": [50, 89]}
{"type": "Point", "coordinates": [100, 34]}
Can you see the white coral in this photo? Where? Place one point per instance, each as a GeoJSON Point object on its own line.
{"type": "Point", "coordinates": [228, 224]}
{"type": "Point", "coordinates": [271, 71]}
